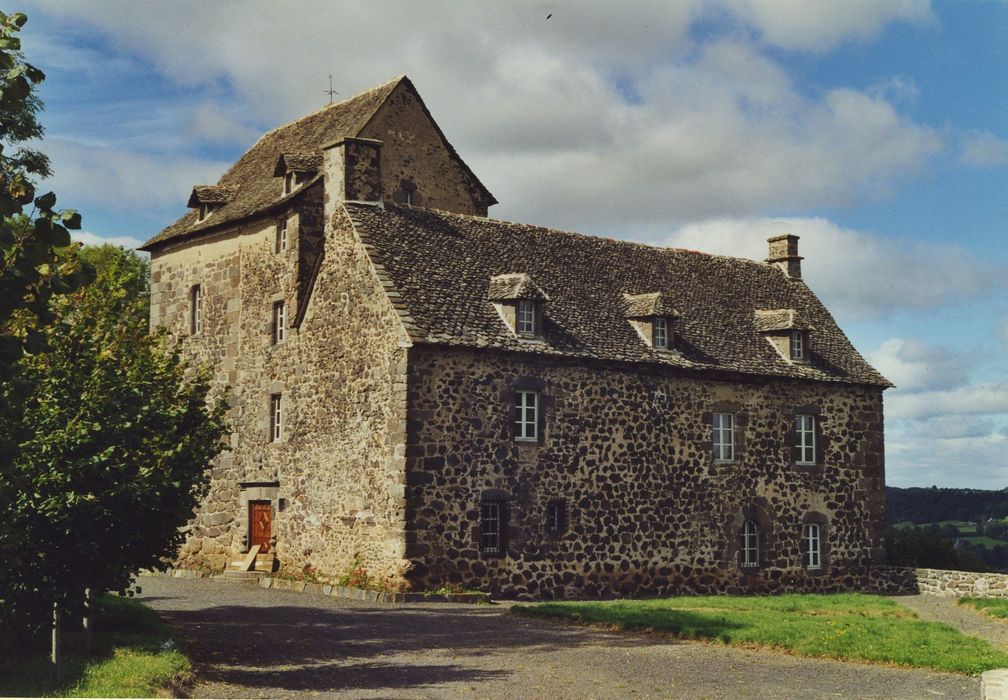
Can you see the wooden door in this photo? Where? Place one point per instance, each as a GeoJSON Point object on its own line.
{"type": "Point", "coordinates": [261, 524]}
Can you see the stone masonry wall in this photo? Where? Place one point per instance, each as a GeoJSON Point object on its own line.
{"type": "Point", "coordinates": [648, 509]}
{"type": "Point", "coordinates": [335, 479]}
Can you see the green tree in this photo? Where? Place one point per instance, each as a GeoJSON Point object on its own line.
{"type": "Point", "coordinates": [122, 435]}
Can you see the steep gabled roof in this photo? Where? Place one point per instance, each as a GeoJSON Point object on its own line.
{"type": "Point", "coordinates": [648, 305]}
{"type": "Point", "coordinates": [439, 264]}
{"type": "Point", "coordinates": [253, 173]}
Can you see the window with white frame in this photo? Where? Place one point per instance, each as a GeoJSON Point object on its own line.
{"type": "Point", "coordinates": [205, 210]}
{"type": "Point", "coordinates": [279, 322]}
{"type": "Point", "coordinates": [527, 416]}
{"type": "Point", "coordinates": [281, 235]}
{"type": "Point", "coordinates": [276, 418]}
{"type": "Point", "coordinates": [196, 309]}
{"type": "Point", "coordinates": [805, 446]}
{"type": "Point", "coordinates": [659, 333]}
{"type": "Point", "coordinates": [797, 345]}
{"type": "Point", "coordinates": [811, 546]}
{"type": "Point", "coordinates": [525, 317]}
{"type": "Point", "coordinates": [494, 522]}
{"type": "Point", "coordinates": [724, 437]}
{"type": "Point", "coordinates": [750, 544]}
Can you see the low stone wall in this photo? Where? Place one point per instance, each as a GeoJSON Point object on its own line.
{"type": "Point", "coordinates": [961, 584]}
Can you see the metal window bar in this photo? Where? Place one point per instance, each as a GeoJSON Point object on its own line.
{"type": "Point", "coordinates": [750, 544]}
{"type": "Point", "coordinates": [491, 527]}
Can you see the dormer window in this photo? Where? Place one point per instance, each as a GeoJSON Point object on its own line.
{"type": "Point", "coordinates": [206, 199]}
{"type": "Point", "coordinates": [206, 210]}
{"type": "Point", "coordinates": [290, 182]}
{"type": "Point", "coordinates": [296, 169]}
{"type": "Point", "coordinates": [519, 302]}
{"type": "Point", "coordinates": [652, 316]}
{"type": "Point", "coordinates": [797, 345]}
{"type": "Point", "coordinates": [786, 331]}
{"type": "Point", "coordinates": [659, 333]}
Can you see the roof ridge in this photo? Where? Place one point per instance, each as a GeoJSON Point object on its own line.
{"type": "Point", "coordinates": [576, 234]}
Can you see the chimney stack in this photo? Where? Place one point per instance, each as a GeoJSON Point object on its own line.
{"type": "Point", "coordinates": [784, 254]}
{"type": "Point", "coordinates": [353, 170]}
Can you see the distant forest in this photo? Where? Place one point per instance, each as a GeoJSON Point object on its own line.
{"type": "Point", "coordinates": [932, 505]}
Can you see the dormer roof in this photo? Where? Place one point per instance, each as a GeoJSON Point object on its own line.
{"type": "Point", "coordinates": [513, 286]}
{"type": "Point", "coordinates": [302, 162]}
{"type": "Point", "coordinates": [211, 194]}
{"type": "Point", "coordinates": [768, 320]}
{"type": "Point", "coordinates": [649, 305]}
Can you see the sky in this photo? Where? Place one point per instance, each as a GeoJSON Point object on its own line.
{"type": "Point", "coordinates": [876, 130]}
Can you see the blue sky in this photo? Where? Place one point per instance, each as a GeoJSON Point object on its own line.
{"type": "Point", "coordinates": [875, 130]}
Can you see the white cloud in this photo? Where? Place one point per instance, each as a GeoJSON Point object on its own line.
{"type": "Point", "coordinates": [974, 399]}
{"type": "Point", "coordinates": [210, 121]}
{"type": "Point", "coordinates": [913, 365]}
{"type": "Point", "coordinates": [88, 238]}
{"type": "Point", "coordinates": [857, 274]}
{"type": "Point", "coordinates": [915, 459]}
{"type": "Point", "coordinates": [983, 149]}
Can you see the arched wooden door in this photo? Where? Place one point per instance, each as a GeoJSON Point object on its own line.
{"type": "Point", "coordinates": [261, 524]}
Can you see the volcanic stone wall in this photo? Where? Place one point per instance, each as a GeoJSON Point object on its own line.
{"type": "Point", "coordinates": [629, 451]}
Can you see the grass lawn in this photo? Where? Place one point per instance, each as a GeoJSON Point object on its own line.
{"type": "Point", "coordinates": [132, 657]}
{"type": "Point", "coordinates": [985, 541]}
{"type": "Point", "coordinates": [847, 626]}
{"type": "Point", "coordinates": [988, 606]}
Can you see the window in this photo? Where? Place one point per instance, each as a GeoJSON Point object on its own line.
{"type": "Point", "coordinates": [525, 319]}
{"type": "Point", "coordinates": [797, 345]}
{"type": "Point", "coordinates": [205, 210]}
{"type": "Point", "coordinates": [527, 416]}
{"type": "Point", "coordinates": [805, 439]}
{"type": "Point", "coordinates": [750, 544]}
{"type": "Point", "coordinates": [281, 235]}
{"type": "Point", "coordinates": [290, 181]}
{"type": "Point", "coordinates": [195, 309]}
{"type": "Point", "coordinates": [556, 517]}
{"type": "Point", "coordinates": [494, 521]}
{"type": "Point", "coordinates": [279, 322]}
{"type": "Point", "coordinates": [659, 333]}
{"type": "Point", "coordinates": [724, 437]}
{"type": "Point", "coordinates": [276, 418]}
{"type": "Point", "coordinates": [811, 547]}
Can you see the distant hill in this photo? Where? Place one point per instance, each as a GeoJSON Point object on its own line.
{"type": "Point", "coordinates": [932, 505]}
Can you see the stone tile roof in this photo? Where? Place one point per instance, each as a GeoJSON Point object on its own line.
{"type": "Point", "coordinates": [253, 173]}
{"type": "Point", "coordinates": [514, 285]}
{"type": "Point", "coordinates": [298, 163]}
{"type": "Point", "coordinates": [437, 267]}
{"type": "Point", "coordinates": [781, 320]}
{"type": "Point", "coordinates": [648, 305]}
{"type": "Point", "coordinates": [211, 194]}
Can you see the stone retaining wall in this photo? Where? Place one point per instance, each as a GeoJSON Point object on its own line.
{"type": "Point", "coordinates": [961, 584]}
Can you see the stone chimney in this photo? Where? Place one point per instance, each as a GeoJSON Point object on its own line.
{"type": "Point", "coordinates": [784, 254]}
{"type": "Point", "coordinates": [353, 170]}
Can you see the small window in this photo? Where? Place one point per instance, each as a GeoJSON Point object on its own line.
{"type": "Point", "coordinates": [281, 235]}
{"type": "Point", "coordinates": [494, 526]}
{"type": "Point", "coordinates": [724, 437]}
{"type": "Point", "coordinates": [196, 309]}
{"type": "Point", "coordinates": [659, 333]}
{"type": "Point", "coordinates": [556, 517]}
{"type": "Point", "coordinates": [527, 416]}
{"type": "Point", "coordinates": [750, 544]}
{"type": "Point", "coordinates": [811, 546]}
{"type": "Point", "coordinates": [797, 345]}
{"type": "Point", "coordinates": [290, 182]}
{"type": "Point", "coordinates": [276, 418]}
{"type": "Point", "coordinates": [279, 322]}
{"type": "Point", "coordinates": [805, 449]}
{"type": "Point", "coordinates": [205, 210]}
{"type": "Point", "coordinates": [525, 318]}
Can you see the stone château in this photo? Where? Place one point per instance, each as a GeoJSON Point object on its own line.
{"type": "Point", "coordinates": [444, 398]}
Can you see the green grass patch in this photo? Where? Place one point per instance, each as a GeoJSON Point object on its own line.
{"type": "Point", "coordinates": [848, 626]}
{"type": "Point", "coordinates": [985, 541]}
{"type": "Point", "coordinates": [133, 656]}
{"type": "Point", "coordinates": [992, 608]}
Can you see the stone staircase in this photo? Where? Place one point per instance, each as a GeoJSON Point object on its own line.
{"type": "Point", "coordinates": [251, 567]}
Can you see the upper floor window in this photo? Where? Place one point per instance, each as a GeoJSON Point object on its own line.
{"type": "Point", "coordinates": [276, 418]}
{"type": "Point", "coordinates": [805, 447]}
{"type": "Point", "coordinates": [750, 544]}
{"type": "Point", "coordinates": [525, 319]}
{"type": "Point", "coordinates": [493, 516]}
{"type": "Point", "coordinates": [724, 437]}
{"type": "Point", "coordinates": [556, 517]}
{"type": "Point", "coordinates": [811, 546]}
{"type": "Point", "coordinates": [290, 182]}
{"type": "Point", "coordinates": [196, 309]}
{"type": "Point", "coordinates": [797, 345]}
{"type": "Point", "coordinates": [527, 416]}
{"type": "Point", "coordinates": [279, 322]}
{"type": "Point", "coordinates": [659, 333]}
{"type": "Point", "coordinates": [281, 235]}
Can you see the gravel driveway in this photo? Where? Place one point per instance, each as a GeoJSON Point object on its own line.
{"type": "Point", "coordinates": [251, 642]}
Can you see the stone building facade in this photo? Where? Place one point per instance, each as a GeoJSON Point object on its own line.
{"type": "Point", "coordinates": [443, 398]}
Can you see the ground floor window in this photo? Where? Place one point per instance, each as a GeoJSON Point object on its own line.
{"type": "Point", "coordinates": [494, 526]}
{"type": "Point", "coordinates": [750, 544]}
{"type": "Point", "coordinates": [556, 517]}
{"type": "Point", "coordinates": [812, 546]}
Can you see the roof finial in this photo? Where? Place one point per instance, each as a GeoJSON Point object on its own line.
{"type": "Point", "coordinates": [330, 91]}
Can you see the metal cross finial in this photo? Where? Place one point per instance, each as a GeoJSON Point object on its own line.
{"type": "Point", "coordinates": [330, 91]}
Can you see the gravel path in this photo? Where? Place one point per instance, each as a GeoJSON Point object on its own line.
{"type": "Point", "coordinates": [251, 642]}
{"type": "Point", "coordinates": [964, 619]}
